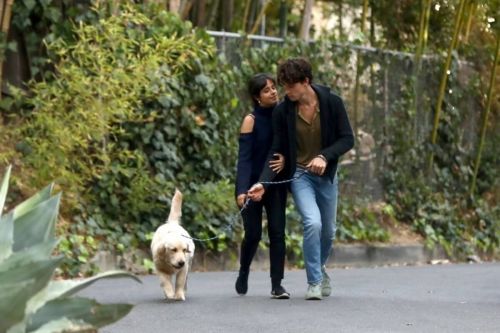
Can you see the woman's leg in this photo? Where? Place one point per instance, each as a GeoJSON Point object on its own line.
{"type": "Point", "coordinates": [252, 223]}
{"type": "Point", "coordinates": [275, 204]}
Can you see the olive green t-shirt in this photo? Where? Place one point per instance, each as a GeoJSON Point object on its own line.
{"type": "Point", "coordinates": [308, 138]}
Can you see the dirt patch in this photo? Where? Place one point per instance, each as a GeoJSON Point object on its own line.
{"type": "Point", "coordinates": [400, 232]}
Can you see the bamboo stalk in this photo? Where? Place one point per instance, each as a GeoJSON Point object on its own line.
{"type": "Point", "coordinates": [421, 44]}
{"type": "Point", "coordinates": [426, 23]}
{"type": "Point", "coordinates": [423, 28]}
{"type": "Point", "coordinates": [484, 124]}
{"type": "Point", "coordinates": [245, 15]}
{"type": "Point", "coordinates": [444, 80]}
{"type": "Point", "coordinates": [471, 12]}
{"type": "Point", "coordinates": [259, 17]}
{"type": "Point", "coordinates": [358, 71]}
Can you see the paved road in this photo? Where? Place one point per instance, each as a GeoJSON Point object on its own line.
{"type": "Point", "coordinates": [448, 298]}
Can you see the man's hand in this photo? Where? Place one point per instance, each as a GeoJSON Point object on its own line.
{"type": "Point", "coordinates": [256, 192]}
{"type": "Point", "coordinates": [278, 163]}
{"type": "Point", "coordinates": [317, 165]}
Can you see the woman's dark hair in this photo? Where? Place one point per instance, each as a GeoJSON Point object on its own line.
{"type": "Point", "coordinates": [257, 83]}
{"type": "Point", "coordinates": [294, 70]}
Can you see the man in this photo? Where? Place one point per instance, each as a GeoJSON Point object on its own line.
{"type": "Point", "coordinates": [312, 130]}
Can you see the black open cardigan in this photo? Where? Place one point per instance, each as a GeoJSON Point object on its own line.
{"type": "Point", "coordinates": [336, 133]}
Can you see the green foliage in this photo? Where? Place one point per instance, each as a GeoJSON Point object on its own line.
{"type": "Point", "coordinates": [31, 301]}
{"type": "Point", "coordinates": [360, 223]}
{"type": "Point", "coordinates": [437, 204]}
{"type": "Point", "coordinates": [140, 104]}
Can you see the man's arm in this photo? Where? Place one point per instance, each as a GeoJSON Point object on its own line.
{"type": "Point", "coordinates": [345, 136]}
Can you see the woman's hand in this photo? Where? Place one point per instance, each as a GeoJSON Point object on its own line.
{"type": "Point", "coordinates": [240, 200]}
{"type": "Point", "coordinates": [256, 192]}
{"type": "Point", "coordinates": [278, 163]}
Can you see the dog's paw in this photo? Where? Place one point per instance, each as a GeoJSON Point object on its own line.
{"type": "Point", "coordinates": [168, 295]}
{"type": "Point", "coordinates": [180, 296]}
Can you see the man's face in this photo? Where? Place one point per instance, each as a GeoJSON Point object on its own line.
{"type": "Point", "coordinates": [295, 91]}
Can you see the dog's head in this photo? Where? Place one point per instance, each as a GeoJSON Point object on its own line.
{"type": "Point", "coordinates": [177, 252]}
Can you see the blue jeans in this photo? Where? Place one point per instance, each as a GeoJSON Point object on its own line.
{"type": "Point", "coordinates": [316, 200]}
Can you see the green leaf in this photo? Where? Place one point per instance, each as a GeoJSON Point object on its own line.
{"type": "Point", "coordinates": [34, 200]}
{"type": "Point", "coordinates": [37, 225]}
{"type": "Point", "coordinates": [4, 187]}
{"type": "Point", "coordinates": [65, 325]}
{"type": "Point", "coordinates": [83, 309]}
{"type": "Point", "coordinates": [64, 288]}
{"type": "Point", "coordinates": [13, 302]}
{"type": "Point", "coordinates": [37, 252]}
{"type": "Point", "coordinates": [6, 235]}
{"type": "Point", "coordinates": [18, 285]}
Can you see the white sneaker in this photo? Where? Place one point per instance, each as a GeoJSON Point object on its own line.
{"type": "Point", "coordinates": [326, 287]}
{"type": "Point", "coordinates": [313, 292]}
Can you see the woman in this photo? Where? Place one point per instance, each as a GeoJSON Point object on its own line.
{"type": "Point", "coordinates": [254, 143]}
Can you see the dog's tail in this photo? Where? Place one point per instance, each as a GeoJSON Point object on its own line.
{"type": "Point", "coordinates": [176, 208]}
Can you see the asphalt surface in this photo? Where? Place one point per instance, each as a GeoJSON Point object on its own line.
{"type": "Point", "coordinates": [439, 298]}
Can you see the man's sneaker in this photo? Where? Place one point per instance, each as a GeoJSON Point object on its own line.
{"type": "Point", "coordinates": [314, 292]}
{"type": "Point", "coordinates": [326, 287]}
{"type": "Point", "coordinates": [241, 285]}
{"type": "Point", "coordinates": [279, 293]}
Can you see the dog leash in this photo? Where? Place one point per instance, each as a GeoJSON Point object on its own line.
{"type": "Point", "coordinates": [245, 205]}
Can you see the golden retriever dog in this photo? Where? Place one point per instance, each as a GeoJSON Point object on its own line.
{"type": "Point", "coordinates": [173, 252]}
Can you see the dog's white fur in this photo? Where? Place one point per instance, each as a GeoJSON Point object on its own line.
{"type": "Point", "coordinates": [173, 252]}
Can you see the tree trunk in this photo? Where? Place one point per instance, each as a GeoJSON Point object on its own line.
{"type": "Point", "coordinates": [227, 14]}
{"type": "Point", "coordinates": [444, 79]}
{"type": "Point", "coordinates": [341, 27]}
{"type": "Point", "coordinates": [185, 9]}
{"type": "Point", "coordinates": [5, 15]}
{"type": "Point", "coordinates": [213, 14]}
{"type": "Point", "coordinates": [283, 18]}
{"type": "Point", "coordinates": [174, 6]}
{"type": "Point", "coordinates": [484, 124]}
{"type": "Point", "coordinates": [306, 21]}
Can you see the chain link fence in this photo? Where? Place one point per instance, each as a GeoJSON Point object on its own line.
{"type": "Point", "coordinates": [390, 94]}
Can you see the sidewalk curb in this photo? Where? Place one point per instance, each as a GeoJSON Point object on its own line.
{"type": "Point", "coordinates": [344, 255]}
{"type": "Point", "coordinates": [361, 255]}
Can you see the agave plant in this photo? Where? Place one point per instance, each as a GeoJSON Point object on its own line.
{"type": "Point", "coordinates": [31, 301]}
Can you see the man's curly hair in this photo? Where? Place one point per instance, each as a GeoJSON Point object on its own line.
{"type": "Point", "coordinates": [294, 70]}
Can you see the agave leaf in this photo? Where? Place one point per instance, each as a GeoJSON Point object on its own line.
{"type": "Point", "coordinates": [41, 270]}
{"type": "Point", "coordinates": [4, 187]}
{"type": "Point", "coordinates": [64, 288]}
{"type": "Point", "coordinates": [67, 326]}
{"type": "Point", "coordinates": [18, 284]}
{"type": "Point", "coordinates": [33, 201]}
{"type": "Point", "coordinates": [78, 308]}
{"type": "Point", "coordinates": [37, 252]}
{"type": "Point", "coordinates": [13, 302]}
{"type": "Point", "coordinates": [36, 225]}
{"type": "Point", "coordinates": [6, 235]}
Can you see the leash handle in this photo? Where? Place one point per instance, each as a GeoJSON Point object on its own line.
{"type": "Point", "coordinates": [245, 205]}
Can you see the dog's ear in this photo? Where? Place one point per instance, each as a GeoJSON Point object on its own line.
{"type": "Point", "coordinates": [188, 249]}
